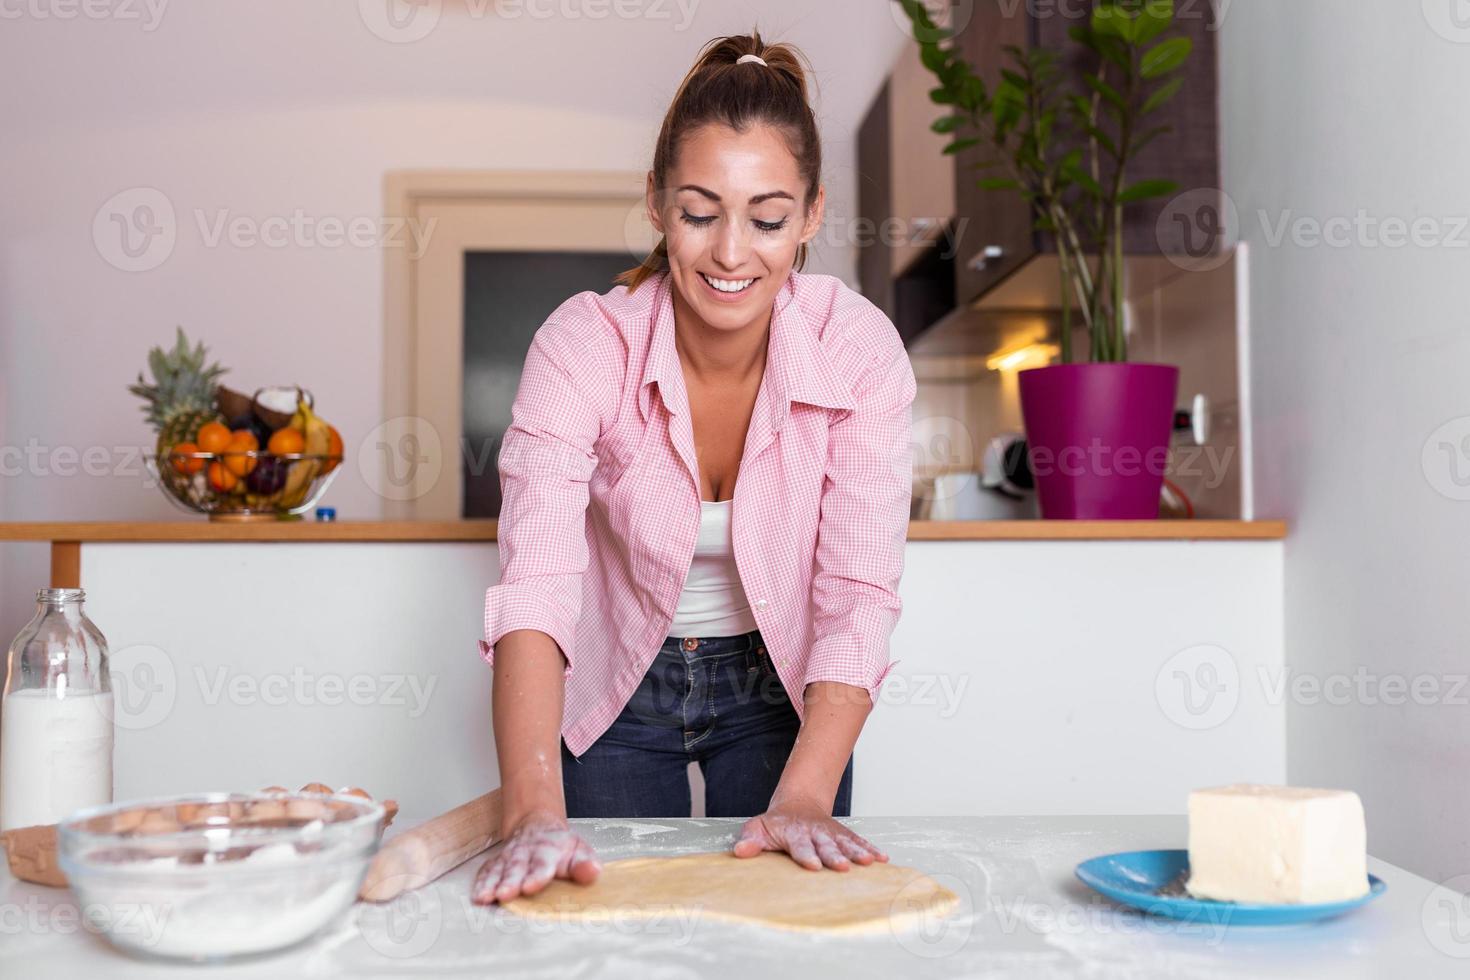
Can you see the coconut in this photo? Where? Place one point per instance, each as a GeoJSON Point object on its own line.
{"type": "Point", "coordinates": [275, 405]}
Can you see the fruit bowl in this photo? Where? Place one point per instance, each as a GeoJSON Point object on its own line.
{"type": "Point", "coordinates": [245, 485]}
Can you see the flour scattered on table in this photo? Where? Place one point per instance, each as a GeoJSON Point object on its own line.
{"type": "Point", "coordinates": [638, 829]}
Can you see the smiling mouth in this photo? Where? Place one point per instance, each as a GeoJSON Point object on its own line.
{"type": "Point", "coordinates": [728, 286]}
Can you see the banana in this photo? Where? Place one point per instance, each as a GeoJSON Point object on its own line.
{"type": "Point", "coordinates": [317, 442]}
{"type": "Point", "coordinates": [318, 438]}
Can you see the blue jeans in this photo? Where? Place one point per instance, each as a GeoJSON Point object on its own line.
{"type": "Point", "coordinates": [714, 700]}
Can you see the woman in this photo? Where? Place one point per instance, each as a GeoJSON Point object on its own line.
{"type": "Point", "coordinates": [706, 486]}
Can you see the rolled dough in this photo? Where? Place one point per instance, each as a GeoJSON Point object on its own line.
{"type": "Point", "coordinates": [768, 889]}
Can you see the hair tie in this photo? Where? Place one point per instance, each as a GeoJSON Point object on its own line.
{"type": "Point", "coordinates": [752, 57]}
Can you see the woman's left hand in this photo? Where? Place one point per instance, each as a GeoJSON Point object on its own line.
{"type": "Point", "coordinates": [809, 834]}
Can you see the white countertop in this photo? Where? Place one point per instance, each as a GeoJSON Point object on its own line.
{"type": "Point", "coordinates": [1023, 914]}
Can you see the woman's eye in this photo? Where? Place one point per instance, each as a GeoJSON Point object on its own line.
{"type": "Point", "coordinates": [697, 220]}
{"type": "Point", "coordinates": [771, 226]}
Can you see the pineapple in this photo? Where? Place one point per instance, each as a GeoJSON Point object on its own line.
{"type": "Point", "coordinates": [181, 398]}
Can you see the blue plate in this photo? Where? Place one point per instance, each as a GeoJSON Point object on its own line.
{"type": "Point", "coordinates": [1154, 882]}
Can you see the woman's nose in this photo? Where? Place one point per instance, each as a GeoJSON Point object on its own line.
{"type": "Point", "coordinates": [732, 247]}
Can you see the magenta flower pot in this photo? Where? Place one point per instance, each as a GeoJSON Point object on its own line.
{"type": "Point", "coordinates": [1099, 438]}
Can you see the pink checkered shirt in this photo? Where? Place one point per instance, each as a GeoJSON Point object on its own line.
{"type": "Point", "coordinates": [601, 493]}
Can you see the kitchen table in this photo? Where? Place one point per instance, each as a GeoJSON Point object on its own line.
{"type": "Point", "coordinates": [1022, 914]}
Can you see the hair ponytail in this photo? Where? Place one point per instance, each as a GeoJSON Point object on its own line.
{"type": "Point", "coordinates": [722, 89]}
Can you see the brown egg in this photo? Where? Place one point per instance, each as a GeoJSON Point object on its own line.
{"type": "Point", "coordinates": [305, 809]}
{"type": "Point", "coordinates": [275, 789]}
{"type": "Point", "coordinates": [262, 811]}
{"type": "Point", "coordinates": [128, 820]}
{"type": "Point", "coordinates": [317, 788]}
{"type": "Point", "coordinates": [355, 791]}
{"type": "Point", "coordinates": [158, 822]}
{"type": "Point", "coordinates": [211, 813]}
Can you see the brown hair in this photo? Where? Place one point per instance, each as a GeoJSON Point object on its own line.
{"type": "Point", "coordinates": [718, 89]}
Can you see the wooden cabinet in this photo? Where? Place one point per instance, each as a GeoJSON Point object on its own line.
{"type": "Point", "coordinates": [905, 200]}
{"type": "Point", "coordinates": [993, 229]}
{"type": "Point", "coordinates": [875, 202]}
{"type": "Point", "coordinates": [995, 235]}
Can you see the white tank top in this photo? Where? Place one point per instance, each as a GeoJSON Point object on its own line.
{"type": "Point", "coordinates": [713, 602]}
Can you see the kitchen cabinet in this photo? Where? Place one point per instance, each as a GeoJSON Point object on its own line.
{"type": "Point", "coordinates": [995, 229]}
{"type": "Point", "coordinates": [875, 202]}
{"type": "Point", "coordinates": [906, 201]}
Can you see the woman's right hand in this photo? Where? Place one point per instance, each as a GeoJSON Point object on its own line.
{"type": "Point", "coordinates": [540, 847]}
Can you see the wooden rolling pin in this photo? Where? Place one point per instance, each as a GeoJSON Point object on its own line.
{"type": "Point", "coordinates": [418, 856]}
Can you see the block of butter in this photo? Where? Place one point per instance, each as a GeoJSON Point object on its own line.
{"type": "Point", "coordinates": [1277, 845]}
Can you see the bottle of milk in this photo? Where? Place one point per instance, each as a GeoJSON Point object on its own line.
{"type": "Point", "coordinates": [55, 716]}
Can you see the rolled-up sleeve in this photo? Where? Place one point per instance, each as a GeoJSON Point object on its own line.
{"type": "Point", "coordinates": [863, 528]}
{"type": "Point", "coordinates": [547, 457]}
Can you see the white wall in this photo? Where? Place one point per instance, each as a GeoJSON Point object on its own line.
{"type": "Point", "coordinates": [1359, 359]}
{"type": "Point", "coordinates": [367, 671]}
{"type": "Point", "coordinates": [265, 109]}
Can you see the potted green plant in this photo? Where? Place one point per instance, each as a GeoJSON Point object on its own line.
{"type": "Point", "coordinates": [1098, 427]}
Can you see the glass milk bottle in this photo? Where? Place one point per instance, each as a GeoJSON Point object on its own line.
{"type": "Point", "coordinates": [55, 716]}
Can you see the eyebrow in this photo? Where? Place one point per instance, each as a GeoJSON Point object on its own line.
{"type": "Point", "coordinates": [769, 195]}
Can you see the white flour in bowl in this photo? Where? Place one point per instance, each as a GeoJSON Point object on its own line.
{"type": "Point", "coordinates": [272, 898]}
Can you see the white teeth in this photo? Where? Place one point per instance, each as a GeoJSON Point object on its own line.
{"type": "Point", "coordinates": [728, 285]}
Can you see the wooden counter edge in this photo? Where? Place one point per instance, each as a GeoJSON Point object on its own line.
{"type": "Point", "coordinates": [69, 535]}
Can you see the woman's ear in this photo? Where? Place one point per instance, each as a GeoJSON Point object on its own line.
{"type": "Point", "coordinates": [814, 215]}
{"type": "Point", "coordinates": [651, 200]}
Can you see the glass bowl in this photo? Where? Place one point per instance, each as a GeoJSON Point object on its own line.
{"type": "Point", "coordinates": [218, 876]}
{"type": "Point", "coordinates": [261, 485]}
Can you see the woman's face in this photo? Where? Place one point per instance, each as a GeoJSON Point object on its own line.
{"type": "Point", "coordinates": [734, 215]}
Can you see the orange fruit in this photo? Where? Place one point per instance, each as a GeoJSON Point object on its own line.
{"type": "Point", "coordinates": [213, 437]}
{"type": "Point", "coordinates": [286, 441]}
{"type": "Point", "coordinates": [241, 441]}
{"type": "Point", "coordinates": [334, 448]}
{"type": "Point", "coordinates": [183, 463]}
{"type": "Point", "coordinates": [221, 478]}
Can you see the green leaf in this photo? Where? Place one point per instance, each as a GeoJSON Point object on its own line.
{"type": "Point", "coordinates": [972, 92]}
{"type": "Point", "coordinates": [917, 13]}
{"type": "Point", "coordinates": [960, 145]}
{"type": "Point", "coordinates": [945, 124]}
{"type": "Point", "coordinates": [1111, 20]}
{"type": "Point", "coordinates": [933, 56]}
{"type": "Point", "coordinates": [1145, 189]}
{"type": "Point", "coordinates": [1153, 20]}
{"type": "Point", "coordinates": [941, 96]}
{"type": "Point", "coordinates": [998, 184]}
{"type": "Point", "coordinates": [1018, 80]}
{"type": "Point", "coordinates": [955, 71]}
{"type": "Point", "coordinates": [1088, 184]}
{"type": "Point", "coordinates": [1166, 56]}
{"type": "Point", "coordinates": [1104, 140]}
{"type": "Point", "coordinates": [1108, 93]}
{"type": "Point", "coordinates": [1148, 137]}
{"type": "Point", "coordinates": [1161, 97]}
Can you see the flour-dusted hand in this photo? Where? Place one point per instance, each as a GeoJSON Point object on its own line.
{"type": "Point", "coordinates": [809, 835]}
{"type": "Point", "coordinates": [539, 849]}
